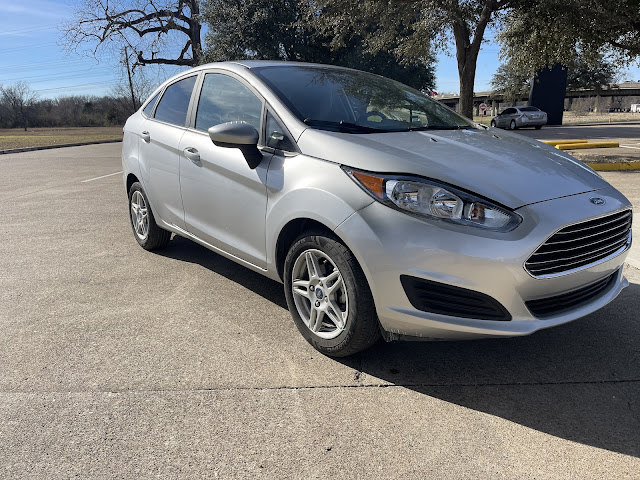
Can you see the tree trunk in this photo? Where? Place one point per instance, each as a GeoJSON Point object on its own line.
{"type": "Point", "coordinates": [467, 74]}
{"type": "Point", "coordinates": [194, 33]}
{"type": "Point", "coordinates": [467, 49]}
{"type": "Point", "coordinates": [467, 56]}
{"type": "Point", "coordinates": [23, 115]}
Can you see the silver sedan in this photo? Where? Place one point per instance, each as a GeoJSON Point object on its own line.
{"type": "Point", "coordinates": [518, 117]}
{"type": "Point", "coordinates": [381, 211]}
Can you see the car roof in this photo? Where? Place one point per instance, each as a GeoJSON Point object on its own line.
{"type": "Point", "coordinates": [250, 64]}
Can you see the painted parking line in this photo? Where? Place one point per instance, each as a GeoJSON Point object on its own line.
{"type": "Point", "coordinates": [103, 176]}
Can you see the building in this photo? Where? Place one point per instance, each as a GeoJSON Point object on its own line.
{"type": "Point", "coordinates": [610, 98]}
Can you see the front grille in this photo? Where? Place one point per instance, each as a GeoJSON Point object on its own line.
{"type": "Point", "coordinates": [444, 299]}
{"type": "Point", "coordinates": [581, 244]}
{"type": "Point", "coordinates": [545, 307]}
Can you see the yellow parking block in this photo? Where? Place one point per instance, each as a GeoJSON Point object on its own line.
{"type": "Point", "coordinates": [615, 167]}
{"type": "Point", "coordinates": [576, 146]}
{"type": "Point", "coordinates": [553, 143]}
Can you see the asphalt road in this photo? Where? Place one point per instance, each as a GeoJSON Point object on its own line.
{"type": "Point", "coordinates": [627, 135]}
{"type": "Point", "coordinates": [120, 363]}
{"type": "Point", "coordinates": [622, 132]}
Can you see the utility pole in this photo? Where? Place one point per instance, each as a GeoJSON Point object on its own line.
{"type": "Point", "coordinates": [133, 96]}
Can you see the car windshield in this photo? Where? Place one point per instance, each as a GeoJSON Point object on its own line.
{"type": "Point", "coordinates": [351, 101]}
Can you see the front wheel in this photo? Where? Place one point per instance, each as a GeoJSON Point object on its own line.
{"type": "Point", "coordinates": [538, 127]}
{"type": "Point", "coordinates": [329, 297]}
{"type": "Point", "coordinates": [493, 123]}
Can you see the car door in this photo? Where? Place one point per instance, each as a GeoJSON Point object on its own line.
{"type": "Point", "coordinates": [509, 114]}
{"type": "Point", "coordinates": [224, 200]}
{"type": "Point", "coordinates": [501, 120]}
{"type": "Point", "coordinates": [159, 150]}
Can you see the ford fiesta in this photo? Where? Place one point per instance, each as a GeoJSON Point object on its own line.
{"type": "Point", "coordinates": [382, 212]}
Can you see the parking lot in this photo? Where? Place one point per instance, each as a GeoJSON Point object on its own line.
{"type": "Point", "coordinates": [120, 363]}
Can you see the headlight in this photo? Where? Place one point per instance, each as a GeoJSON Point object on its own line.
{"type": "Point", "coordinates": [432, 200]}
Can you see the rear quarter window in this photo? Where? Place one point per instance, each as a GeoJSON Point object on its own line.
{"type": "Point", "coordinates": [148, 109]}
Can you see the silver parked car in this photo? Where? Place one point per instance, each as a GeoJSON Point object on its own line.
{"type": "Point", "coordinates": [382, 212]}
{"type": "Point", "coordinates": [518, 117]}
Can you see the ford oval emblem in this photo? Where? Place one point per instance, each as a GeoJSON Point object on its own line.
{"type": "Point", "coordinates": [597, 200]}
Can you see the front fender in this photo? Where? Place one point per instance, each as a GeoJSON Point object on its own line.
{"type": "Point", "coordinates": [327, 196]}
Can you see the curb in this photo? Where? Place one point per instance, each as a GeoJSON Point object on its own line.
{"type": "Point", "coordinates": [596, 124]}
{"type": "Point", "coordinates": [615, 166]}
{"type": "Point", "coordinates": [48, 147]}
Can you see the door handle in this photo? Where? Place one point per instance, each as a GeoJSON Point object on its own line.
{"type": "Point", "coordinates": [192, 154]}
{"type": "Point", "coordinates": [145, 136]}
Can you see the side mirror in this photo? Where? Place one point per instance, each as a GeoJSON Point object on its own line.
{"type": "Point", "coordinates": [238, 135]}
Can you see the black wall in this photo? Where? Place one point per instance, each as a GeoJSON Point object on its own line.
{"type": "Point", "coordinates": [548, 89]}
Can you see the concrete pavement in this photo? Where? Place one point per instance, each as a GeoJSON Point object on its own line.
{"type": "Point", "coordinates": [120, 363]}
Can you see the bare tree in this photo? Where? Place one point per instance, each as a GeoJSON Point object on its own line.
{"type": "Point", "coordinates": [18, 100]}
{"type": "Point", "coordinates": [148, 27]}
{"type": "Point", "coordinates": [135, 85]}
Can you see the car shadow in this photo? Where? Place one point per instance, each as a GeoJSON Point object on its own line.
{"type": "Point", "coordinates": [185, 250]}
{"type": "Point", "coordinates": [579, 381]}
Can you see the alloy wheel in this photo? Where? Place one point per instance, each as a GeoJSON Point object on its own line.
{"type": "Point", "coordinates": [139, 215]}
{"type": "Point", "coordinates": [319, 294]}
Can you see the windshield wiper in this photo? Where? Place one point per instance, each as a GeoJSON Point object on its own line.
{"type": "Point", "coordinates": [342, 126]}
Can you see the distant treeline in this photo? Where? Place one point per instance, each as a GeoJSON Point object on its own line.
{"type": "Point", "coordinates": [72, 111]}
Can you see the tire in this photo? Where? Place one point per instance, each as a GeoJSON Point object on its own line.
{"type": "Point", "coordinates": [337, 323]}
{"type": "Point", "coordinates": [512, 125]}
{"type": "Point", "coordinates": [493, 123]}
{"type": "Point", "coordinates": [145, 230]}
{"type": "Point", "coordinates": [538, 127]}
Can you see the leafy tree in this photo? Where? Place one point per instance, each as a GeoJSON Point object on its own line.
{"type": "Point", "coordinates": [18, 100]}
{"type": "Point", "coordinates": [534, 33]}
{"type": "Point", "coordinates": [543, 33]}
{"type": "Point", "coordinates": [594, 73]}
{"type": "Point", "coordinates": [291, 30]}
{"type": "Point", "coordinates": [151, 28]}
{"type": "Point", "coordinates": [410, 28]}
{"type": "Point", "coordinates": [514, 82]}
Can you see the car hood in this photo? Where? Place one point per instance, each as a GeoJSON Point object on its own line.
{"type": "Point", "coordinates": [505, 167]}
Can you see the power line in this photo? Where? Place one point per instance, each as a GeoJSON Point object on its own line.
{"type": "Point", "coordinates": [57, 76]}
{"type": "Point", "coordinates": [84, 85]}
{"type": "Point", "coordinates": [27, 30]}
{"type": "Point", "coordinates": [6, 51]}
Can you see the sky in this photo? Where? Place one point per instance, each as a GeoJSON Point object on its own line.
{"type": "Point", "coordinates": [31, 51]}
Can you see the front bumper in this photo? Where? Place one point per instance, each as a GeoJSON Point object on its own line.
{"type": "Point", "coordinates": [389, 244]}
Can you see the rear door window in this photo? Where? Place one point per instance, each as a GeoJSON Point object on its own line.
{"type": "Point", "coordinates": [174, 104]}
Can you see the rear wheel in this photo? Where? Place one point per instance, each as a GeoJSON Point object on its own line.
{"type": "Point", "coordinates": [329, 297]}
{"type": "Point", "coordinates": [145, 229]}
{"type": "Point", "coordinates": [538, 127]}
{"type": "Point", "coordinates": [512, 125]}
